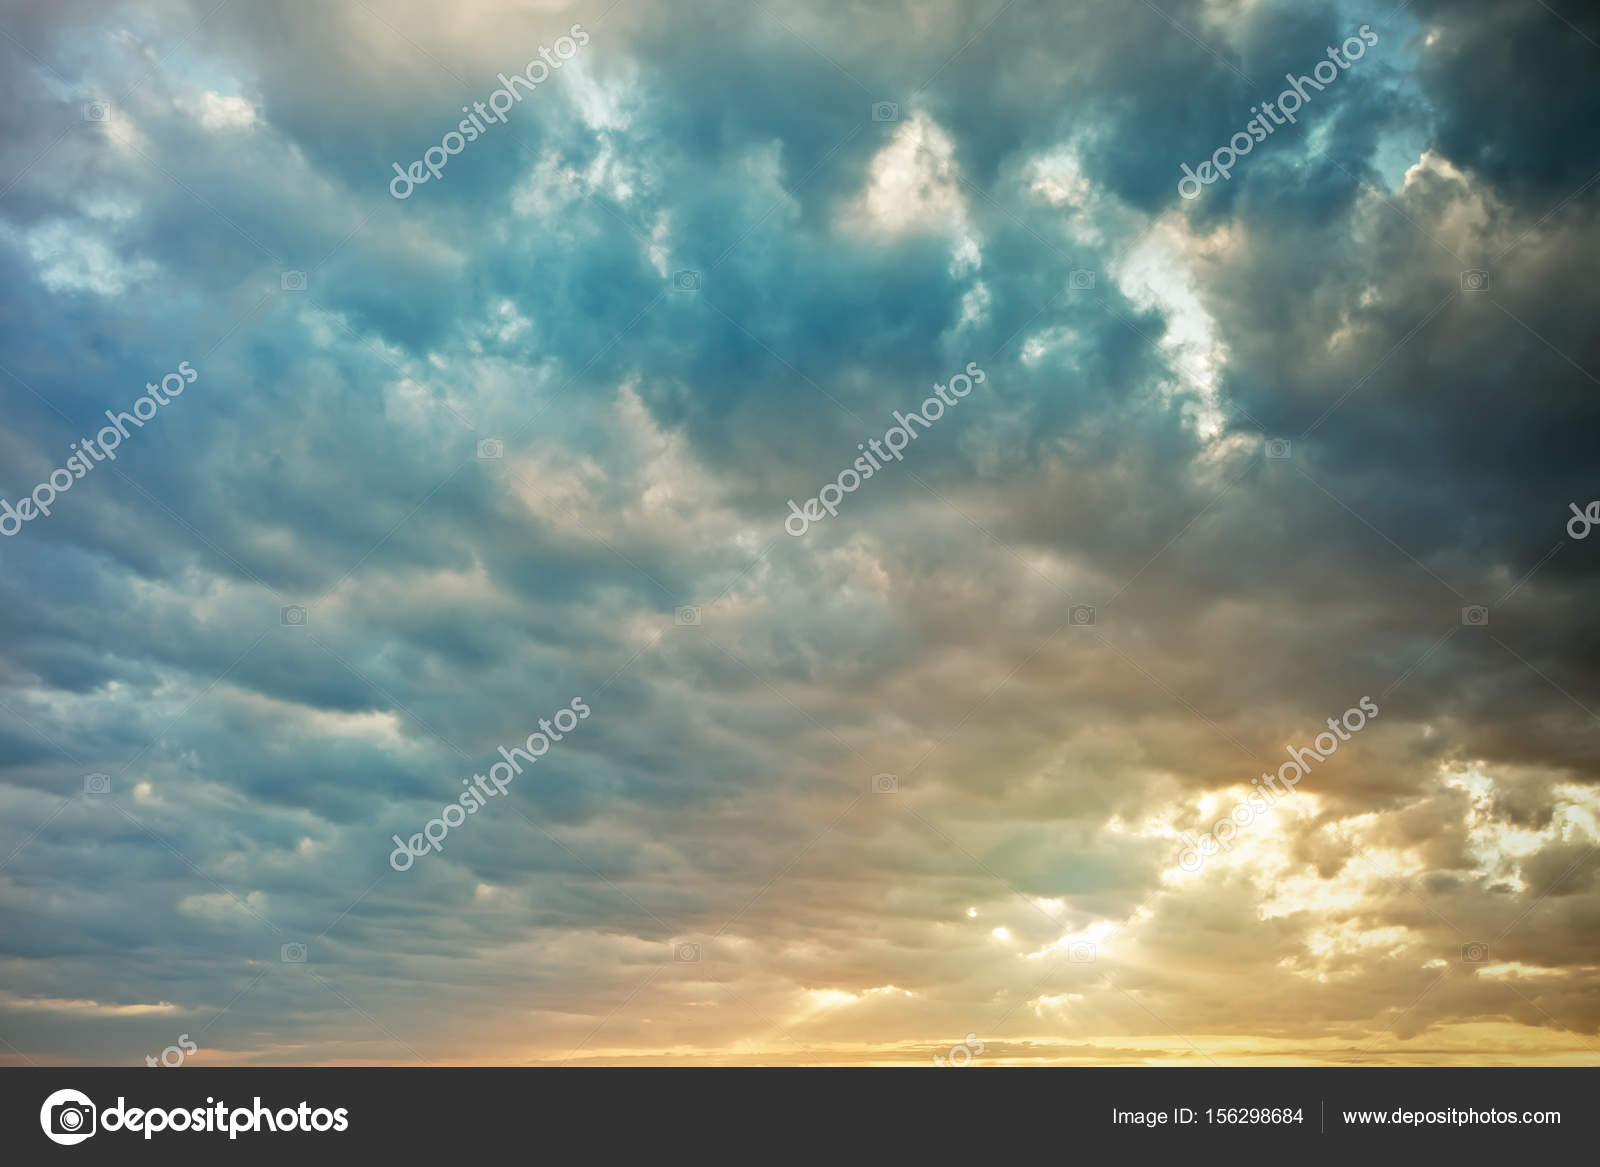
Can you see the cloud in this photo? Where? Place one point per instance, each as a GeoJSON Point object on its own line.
{"type": "Point", "coordinates": [329, 459]}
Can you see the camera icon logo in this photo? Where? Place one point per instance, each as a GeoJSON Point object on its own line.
{"type": "Point", "coordinates": [686, 953]}
{"type": "Point", "coordinates": [885, 784]}
{"type": "Point", "coordinates": [1475, 280]}
{"type": "Point", "coordinates": [293, 953]}
{"type": "Point", "coordinates": [687, 616]}
{"type": "Point", "coordinates": [885, 111]}
{"type": "Point", "coordinates": [1081, 952]}
{"type": "Point", "coordinates": [686, 281]}
{"type": "Point", "coordinates": [97, 783]}
{"type": "Point", "coordinates": [293, 281]}
{"type": "Point", "coordinates": [97, 111]}
{"type": "Point", "coordinates": [68, 1117]}
{"type": "Point", "coordinates": [1475, 953]}
{"type": "Point", "coordinates": [293, 616]}
{"type": "Point", "coordinates": [1475, 615]}
{"type": "Point", "coordinates": [489, 449]}
{"type": "Point", "coordinates": [1278, 449]}
{"type": "Point", "coordinates": [1080, 279]}
{"type": "Point", "coordinates": [1081, 614]}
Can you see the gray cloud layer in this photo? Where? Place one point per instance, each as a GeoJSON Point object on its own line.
{"type": "Point", "coordinates": [653, 436]}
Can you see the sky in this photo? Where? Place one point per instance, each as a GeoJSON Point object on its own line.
{"type": "Point", "coordinates": [1211, 682]}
